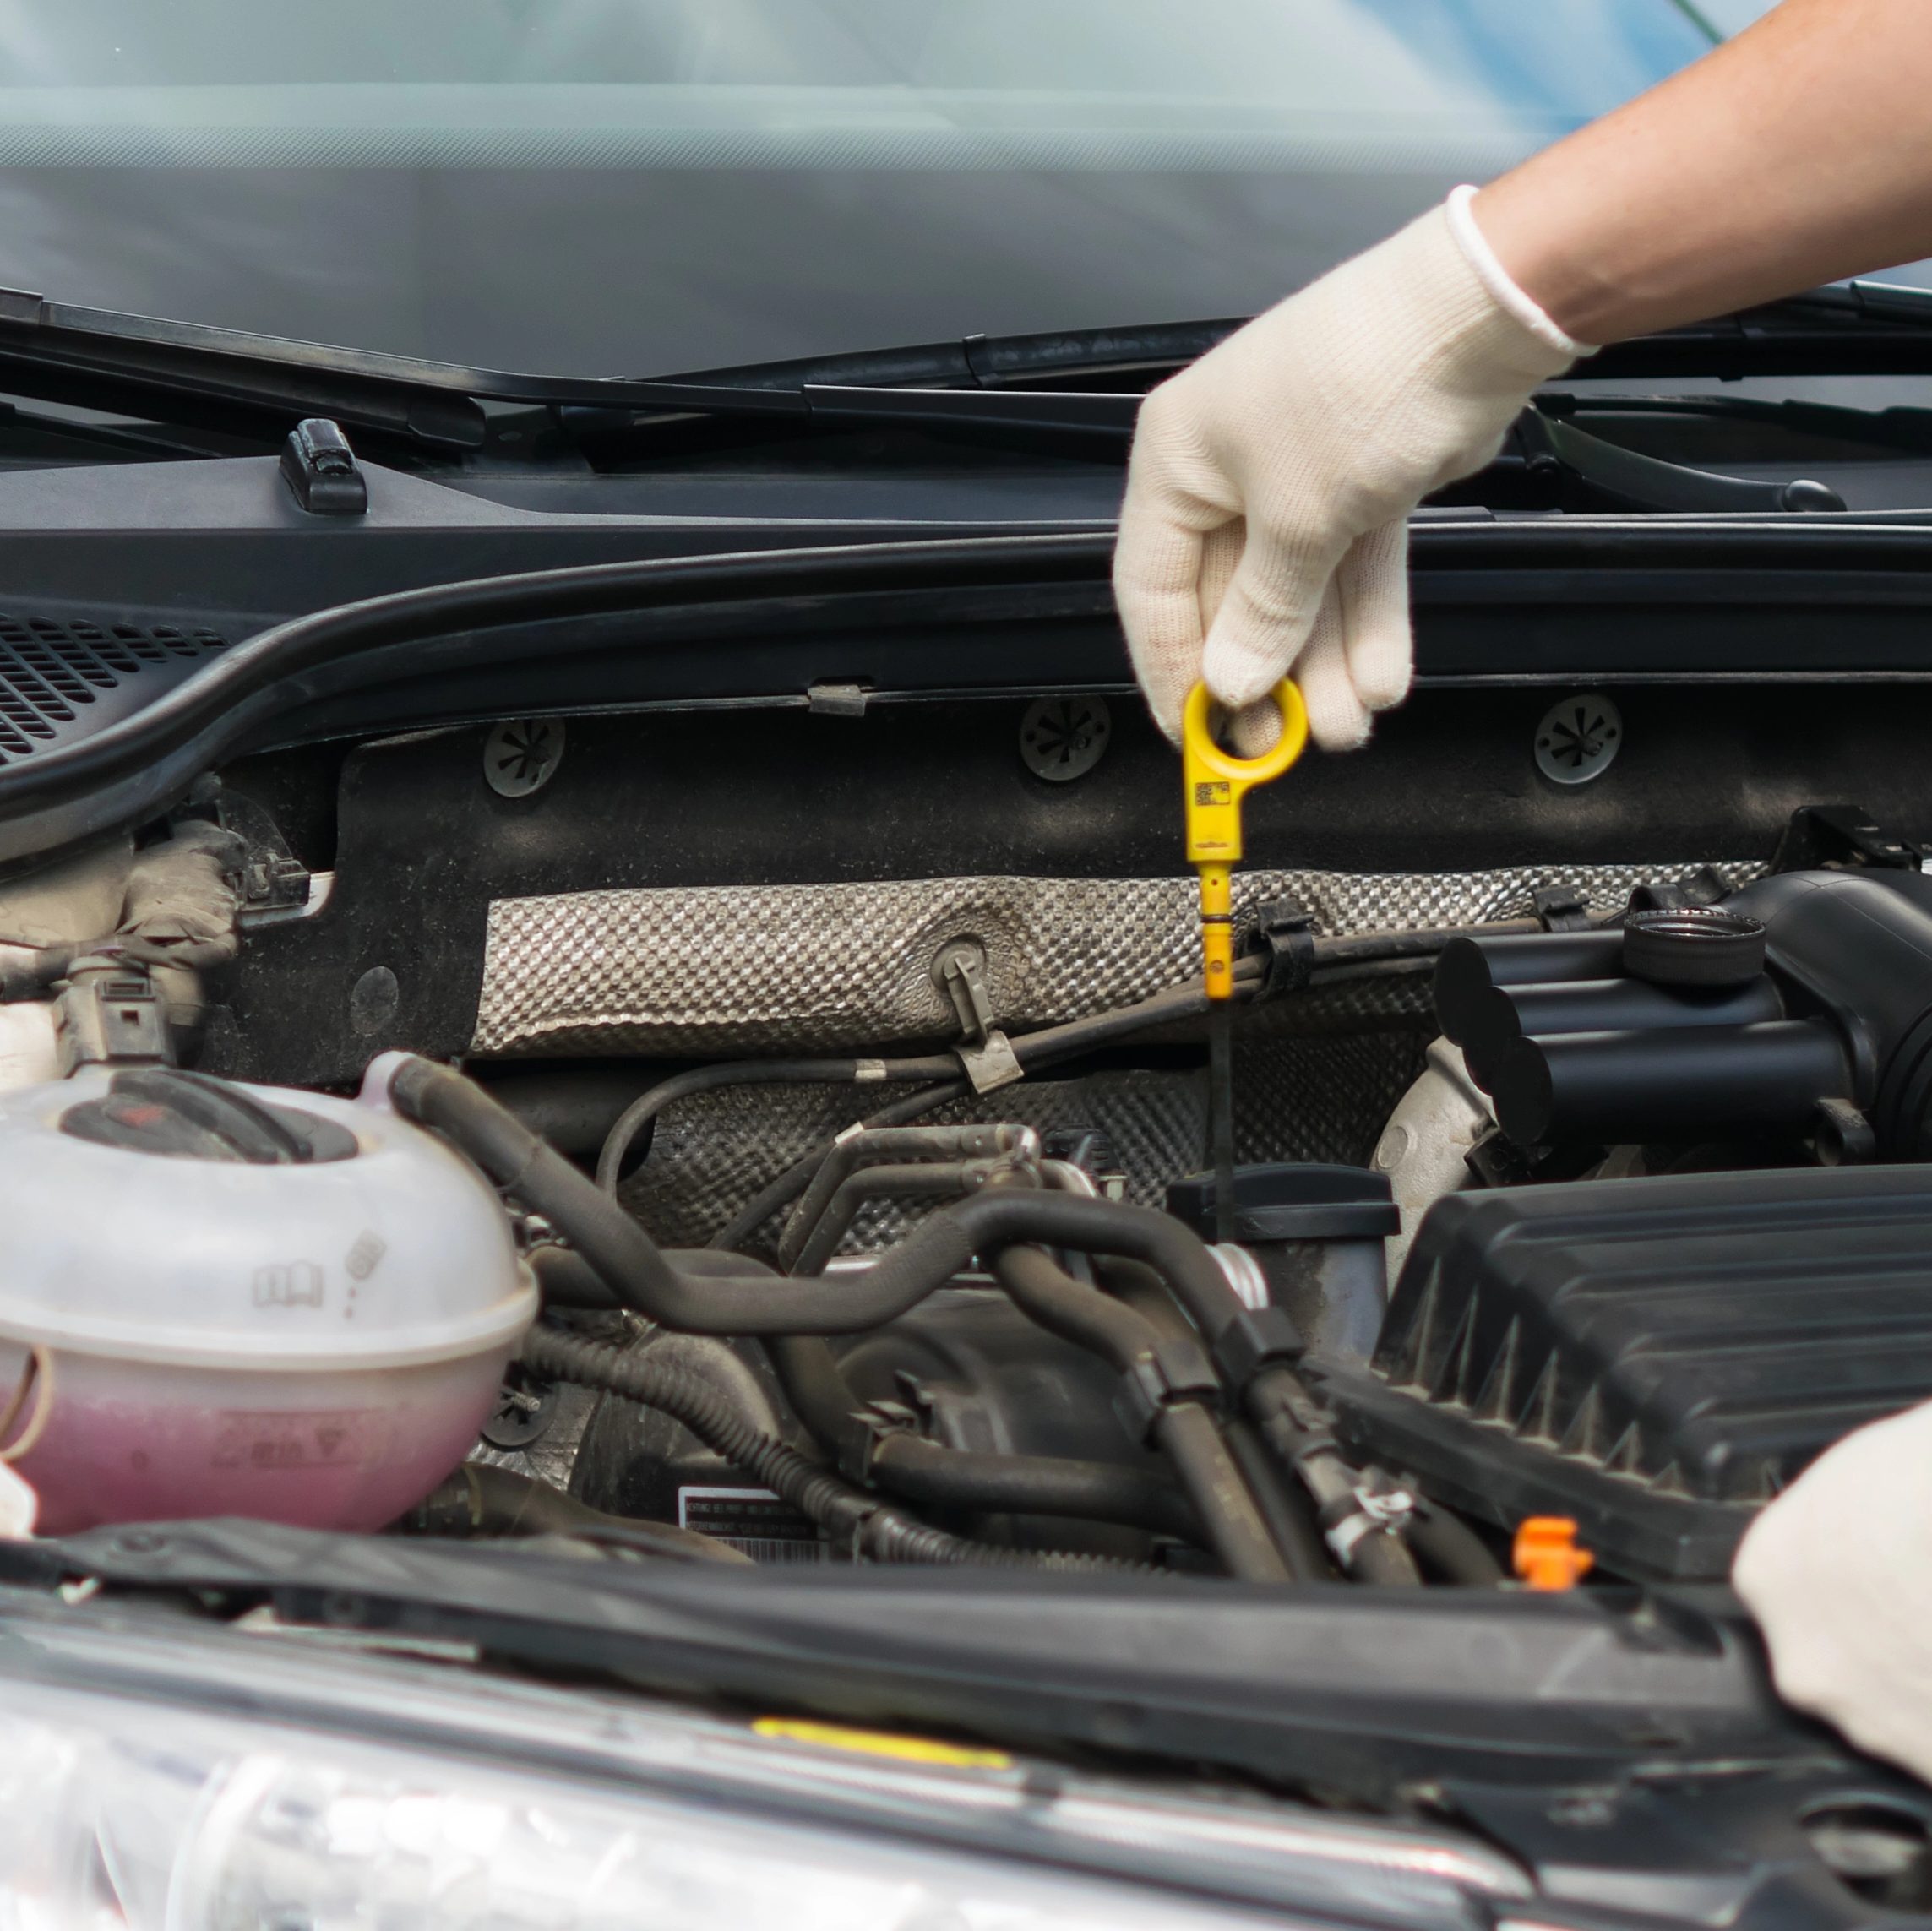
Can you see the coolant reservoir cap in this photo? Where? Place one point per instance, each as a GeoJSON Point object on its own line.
{"type": "Point", "coordinates": [1693, 945]}
{"type": "Point", "coordinates": [186, 1116]}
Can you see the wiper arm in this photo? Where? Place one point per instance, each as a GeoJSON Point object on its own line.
{"type": "Point", "coordinates": [1096, 358]}
{"type": "Point", "coordinates": [142, 366]}
{"type": "Point", "coordinates": [1076, 389]}
{"type": "Point", "coordinates": [1900, 426]}
{"type": "Point", "coordinates": [1591, 473]}
{"type": "Point", "coordinates": [1856, 328]}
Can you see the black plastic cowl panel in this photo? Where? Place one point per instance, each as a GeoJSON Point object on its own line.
{"type": "Point", "coordinates": [1655, 1357]}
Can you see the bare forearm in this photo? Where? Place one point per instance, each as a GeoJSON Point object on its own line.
{"type": "Point", "coordinates": [1798, 153]}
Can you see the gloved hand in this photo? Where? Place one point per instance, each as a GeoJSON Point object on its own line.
{"type": "Point", "coordinates": [1270, 482]}
{"type": "Point", "coordinates": [1838, 1572]}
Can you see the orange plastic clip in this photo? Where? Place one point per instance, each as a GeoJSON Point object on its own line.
{"type": "Point", "coordinates": [1545, 1554]}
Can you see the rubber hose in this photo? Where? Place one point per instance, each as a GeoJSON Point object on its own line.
{"type": "Point", "coordinates": [859, 1519]}
{"type": "Point", "coordinates": [753, 1073]}
{"type": "Point", "coordinates": [815, 1386]}
{"type": "Point", "coordinates": [1379, 1559]}
{"type": "Point", "coordinates": [929, 1472]}
{"type": "Point", "coordinates": [788, 1185]}
{"type": "Point", "coordinates": [627, 1258]}
{"type": "Point", "coordinates": [1051, 1298]}
{"type": "Point", "coordinates": [916, 1180]}
{"type": "Point", "coordinates": [1450, 1548]}
{"type": "Point", "coordinates": [632, 1266]}
{"type": "Point", "coordinates": [873, 1146]}
{"type": "Point", "coordinates": [566, 1279]}
{"type": "Point", "coordinates": [1183, 1430]}
{"type": "Point", "coordinates": [925, 1470]}
{"type": "Point", "coordinates": [479, 1500]}
{"type": "Point", "coordinates": [1185, 1433]}
{"type": "Point", "coordinates": [1286, 1506]}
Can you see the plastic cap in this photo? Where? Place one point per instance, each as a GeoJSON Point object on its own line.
{"type": "Point", "coordinates": [1546, 1553]}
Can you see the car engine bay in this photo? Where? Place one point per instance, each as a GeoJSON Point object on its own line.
{"type": "Point", "coordinates": [717, 1133]}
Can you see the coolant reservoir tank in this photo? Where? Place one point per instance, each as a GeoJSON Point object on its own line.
{"type": "Point", "coordinates": [228, 1300]}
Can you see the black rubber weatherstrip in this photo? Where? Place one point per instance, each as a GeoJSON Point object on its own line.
{"type": "Point", "coordinates": [59, 798]}
{"type": "Point", "coordinates": [1362, 1690]}
{"type": "Point", "coordinates": [136, 767]}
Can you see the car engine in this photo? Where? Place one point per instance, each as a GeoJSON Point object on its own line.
{"type": "Point", "coordinates": [485, 1132]}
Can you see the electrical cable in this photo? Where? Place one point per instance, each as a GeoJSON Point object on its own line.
{"type": "Point", "coordinates": [481, 1500]}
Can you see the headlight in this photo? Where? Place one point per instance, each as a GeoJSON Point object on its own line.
{"type": "Point", "coordinates": [171, 1778]}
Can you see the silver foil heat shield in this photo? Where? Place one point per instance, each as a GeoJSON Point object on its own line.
{"type": "Point", "coordinates": [728, 969]}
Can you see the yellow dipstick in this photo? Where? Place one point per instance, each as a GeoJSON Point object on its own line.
{"type": "Point", "coordinates": [1216, 783]}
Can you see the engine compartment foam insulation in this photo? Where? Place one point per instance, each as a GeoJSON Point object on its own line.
{"type": "Point", "coordinates": [721, 970]}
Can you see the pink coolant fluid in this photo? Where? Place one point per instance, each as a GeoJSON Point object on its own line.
{"type": "Point", "coordinates": [314, 1341]}
{"type": "Point", "coordinates": [332, 1452]}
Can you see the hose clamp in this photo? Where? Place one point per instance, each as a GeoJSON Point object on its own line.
{"type": "Point", "coordinates": [1172, 1372]}
{"type": "Point", "coordinates": [1257, 1338]}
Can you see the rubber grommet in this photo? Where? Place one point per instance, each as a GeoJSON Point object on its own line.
{"type": "Point", "coordinates": [1693, 945]}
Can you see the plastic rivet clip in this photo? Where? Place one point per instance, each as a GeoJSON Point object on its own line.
{"type": "Point", "coordinates": [1547, 1556]}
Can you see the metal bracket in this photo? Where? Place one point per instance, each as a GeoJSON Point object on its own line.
{"type": "Point", "coordinates": [958, 970]}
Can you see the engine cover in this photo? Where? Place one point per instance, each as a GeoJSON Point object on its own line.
{"type": "Point", "coordinates": [1656, 1358]}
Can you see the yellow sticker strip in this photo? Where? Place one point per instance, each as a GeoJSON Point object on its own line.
{"type": "Point", "coordinates": [881, 1743]}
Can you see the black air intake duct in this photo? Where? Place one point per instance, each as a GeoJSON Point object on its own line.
{"type": "Point", "coordinates": [1672, 1033]}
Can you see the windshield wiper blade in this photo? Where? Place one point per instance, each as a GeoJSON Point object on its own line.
{"type": "Point", "coordinates": [1064, 356]}
{"type": "Point", "coordinates": [1075, 388]}
{"type": "Point", "coordinates": [1856, 328]}
{"type": "Point", "coordinates": [146, 366]}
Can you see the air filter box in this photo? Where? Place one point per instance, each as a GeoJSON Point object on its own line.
{"type": "Point", "coordinates": [1656, 1358]}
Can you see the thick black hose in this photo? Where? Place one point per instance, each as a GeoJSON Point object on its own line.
{"type": "Point", "coordinates": [928, 1471]}
{"type": "Point", "coordinates": [915, 1180]}
{"type": "Point", "coordinates": [877, 1146]}
{"type": "Point", "coordinates": [753, 1073]}
{"type": "Point", "coordinates": [566, 1279]}
{"type": "Point", "coordinates": [925, 1470]}
{"type": "Point", "coordinates": [815, 1386]}
{"type": "Point", "coordinates": [1183, 1428]}
{"type": "Point", "coordinates": [855, 1518]}
{"type": "Point", "coordinates": [787, 1186]}
{"type": "Point", "coordinates": [481, 1500]}
{"type": "Point", "coordinates": [1381, 1560]}
{"type": "Point", "coordinates": [635, 1269]}
{"type": "Point", "coordinates": [1051, 1298]}
{"type": "Point", "coordinates": [1185, 1433]}
{"type": "Point", "coordinates": [1286, 1505]}
{"type": "Point", "coordinates": [1449, 1547]}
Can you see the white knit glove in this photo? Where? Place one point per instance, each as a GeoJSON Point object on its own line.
{"type": "Point", "coordinates": [1838, 1572]}
{"type": "Point", "coordinates": [1270, 482]}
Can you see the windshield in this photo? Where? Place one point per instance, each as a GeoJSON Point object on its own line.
{"type": "Point", "coordinates": [601, 187]}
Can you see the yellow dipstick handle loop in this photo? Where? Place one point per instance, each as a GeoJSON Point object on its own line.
{"type": "Point", "coordinates": [1216, 785]}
